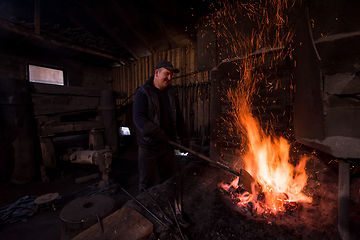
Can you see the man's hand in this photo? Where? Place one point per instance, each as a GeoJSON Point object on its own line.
{"type": "Point", "coordinates": [185, 142]}
{"type": "Point", "coordinates": [162, 137]}
{"type": "Point", "coordinates": [154, 131]}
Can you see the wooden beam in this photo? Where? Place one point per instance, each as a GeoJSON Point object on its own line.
{"type": "Point", "coordinates": [126, 223]}
{"type": "Point", "coordinates": [161, 25]}
{"type": "Point", "coordinates": [49, 89]}
{"type": "Point", "coordinates": [111, 32]}
{"type": "Point", "coordinates": [56, 41]}
{"type": "Point", "coordinates": [77, 23]}
{"type": "Point", "coordinates": [128, 21]}
{"type": "Point", "coordinates": [55, 7]}
{"type": "Point", "coordinates": [37, 16]}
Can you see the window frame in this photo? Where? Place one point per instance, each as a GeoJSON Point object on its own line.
{"type": "Point", "coordinates": [65, 82]}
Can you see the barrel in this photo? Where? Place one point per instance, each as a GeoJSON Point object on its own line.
{"type": "Point", "coordinates": [19, 149]}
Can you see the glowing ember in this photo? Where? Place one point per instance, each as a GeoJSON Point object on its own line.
{"type": "Point", "coordinates": [266, 156]}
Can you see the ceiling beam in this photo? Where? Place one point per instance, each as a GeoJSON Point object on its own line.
{"type": "Point", "coordinates": [160, 23]}
{"type": "Point", "coordinates": [54, 40]}
{"type": "Point", "coordinates": [114, 34]}
{"type": "Point", "coordinates": [128, 21]}
{"type": "Point", "coordinates": [69, 14]}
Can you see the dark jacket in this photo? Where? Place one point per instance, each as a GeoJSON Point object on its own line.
{"type": "Point", "coordinates": [149, 133]}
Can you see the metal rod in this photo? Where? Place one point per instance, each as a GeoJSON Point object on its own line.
{"type": "Point", "coordinates": [176, 220]}
{"type": "Point", "coordinates": [103, 190]}
{"type": "Point", "coordinates": [344, 191]}
{"type": "Point", "coordinates": [100, 226]}
{"type": "Point", "coordinates": [156, 218]}
{"type": "Point", "coordinates": [157, 205]}
{"type": "Point", "coordinates": [243, 173]}
{"type": "Point", "coordinates": [206, 158]}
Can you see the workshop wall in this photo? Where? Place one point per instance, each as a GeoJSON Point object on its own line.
{"type": "Point", "coordinates": [50, 99]}
{"type": "Point", "coordinates": [193, 87]}
{"type": "Point", "coordinates": [48, 106]}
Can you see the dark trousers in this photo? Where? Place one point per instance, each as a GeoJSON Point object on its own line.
{"type": "Point", "coordinates": [153, 163]}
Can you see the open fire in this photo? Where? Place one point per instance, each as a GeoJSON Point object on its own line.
{"type": "Point", "coordinates": [265, 156]}
{"type": "Point", "coordinates": [267, 160]}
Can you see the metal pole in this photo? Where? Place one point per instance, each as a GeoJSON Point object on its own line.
{"type": "Point", "coordinates": [344, 190]}
{"type": "Point", "coordinates": [156, 218]}
{"type": "Point", "coordinates": [219, 164]}
{"type": "Point", "coordinates": [157, 205]}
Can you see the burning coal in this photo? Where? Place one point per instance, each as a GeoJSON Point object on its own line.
{"type": "Point", "coordinates": [265, 156]}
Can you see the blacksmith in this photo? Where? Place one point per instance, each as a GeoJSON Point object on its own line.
{"type": "Point", "coordinates": [158, 119]}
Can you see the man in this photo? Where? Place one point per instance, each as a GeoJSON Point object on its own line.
{"type": "Point", "coordinates": [158, 118]}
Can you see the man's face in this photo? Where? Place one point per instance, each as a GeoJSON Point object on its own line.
{"type": "Point", "coordinates": [162, 78]}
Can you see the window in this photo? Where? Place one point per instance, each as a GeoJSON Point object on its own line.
{"type": "Point", "coordinates": [46, 75]}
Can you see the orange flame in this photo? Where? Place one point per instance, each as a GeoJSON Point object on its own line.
{"type": "Point", "coordinates": [267, 160]}
{"type": "Point", "coordinates": [266, 156]}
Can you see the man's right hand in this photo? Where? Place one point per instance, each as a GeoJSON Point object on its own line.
{"type": "Point", "coordinates": [154, 131]}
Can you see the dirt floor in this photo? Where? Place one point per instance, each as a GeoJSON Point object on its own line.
{"type": "Point", "coordinates": [212, 213]}
{"type": "Point", "coordinates": [46, 223]}
{"type": "Point", "coordinates": [208, 210]}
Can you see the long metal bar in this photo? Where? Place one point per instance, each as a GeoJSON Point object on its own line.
{"type": "Point", "coordinates": [99, 221]}
{"type": "Point", "coordinates": [243, 175]}
{"type": "Point", "coordinates": [179, 218]}
{"type": "Point", "coordinates": [157, 205]}
{"type": "Point", "coordinates": [176, 220]}
{"type": "Point", "coordinates": [153, 215]}
{"type": "Point", "coordinates": [205, 158]}
{"type": "Point", "coordinates": [103, 190]}
{"type": "Point", "coordinates": [344, 191]}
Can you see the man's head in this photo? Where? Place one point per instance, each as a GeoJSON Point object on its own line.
{"type": "Point", "coordinates": [163, 74]}
{"type": "Point", "coordinates": [167, 65]}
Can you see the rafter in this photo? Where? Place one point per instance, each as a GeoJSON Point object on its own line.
{"type": "Point", "coordinates": [113, 33]}
{"type": "Point", "coordinates": [161, 25]}
{"type": "Point", "coordinates": [77, 23]}
{"type": "Point", "coordinates": [56, 41]}
{"type": "Point", "coordinates": [124, 16]}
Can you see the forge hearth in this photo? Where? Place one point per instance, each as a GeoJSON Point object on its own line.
{"type": "Point", "coordinates": [236, 199]}
{"type": "Point", "coordinates": [212, 214]}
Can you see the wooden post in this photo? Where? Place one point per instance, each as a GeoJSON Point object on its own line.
{"type": "Point", "coordinates": [107, 110]}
